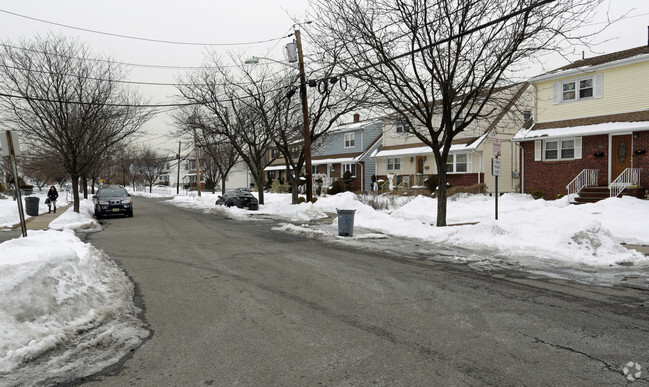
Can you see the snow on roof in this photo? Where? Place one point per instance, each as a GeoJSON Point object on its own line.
{"type": "Point", "coordinates": [582, 130]}
{"type": "Point", "coordinates": [352, 126]}
{"type": "Point", "coordinates": [333, 160]}
{"type": "Point", "coordinates": [455, 148]}
{"type": "Point", "coordinates": [275, 168]}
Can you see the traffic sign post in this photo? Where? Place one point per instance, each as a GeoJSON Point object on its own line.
{"type": "Point", "coordinates": [9, 147]}
{"type": "Point", "coordinates": [495, 171]}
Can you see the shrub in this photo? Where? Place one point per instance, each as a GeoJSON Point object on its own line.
{"type": "Point", "coordinates": [559, 196]}
{"type": "Point", "coordinates": [538, 194]}
{"type": "Point", "coordinates": [3, 187]}
{"type": "Point", "coordinates": [335, 188]}
{"type": "Point", "coordinates": [347, 179]}
{"type": "Point", "coordinates": [431, 183]}
{"type": "Point", "coordinates": [314, 199]}
{"type": "Point", "coordinates": [301, 199]}
{"type": "Point", "coordinates": [278, 187]}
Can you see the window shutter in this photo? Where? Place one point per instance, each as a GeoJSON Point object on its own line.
{"type": "Point", "coordinates": [597, 89]}
{"type": "Point", "coordinates": [556, 92]}
{"type": "Point", "coordinates": [385, 164]}
{"type": "Point", "coordinates": [577, 147]}
{"type": "Point", "coordinates": [469, 162]}
{"type": "Point", "coordinates": [537, 150]}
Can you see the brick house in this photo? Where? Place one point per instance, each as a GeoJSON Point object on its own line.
{"type": "Point", "coordinates": [590, 127]}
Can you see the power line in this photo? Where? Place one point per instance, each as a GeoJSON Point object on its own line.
{"type": "Point", "coordinates": [140, 38]}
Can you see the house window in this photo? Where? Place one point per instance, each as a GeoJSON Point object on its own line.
{"type": "Point", "coordinates": [394, 163]}
{"type": "Point", "coordinates": [314, 169]}
{"type": "Point", "coordinates": [458, 163]}
{"type": "Point", "coordinates": [560, 149]}
{"type": "Point", "coordinates": [295, 151]}
{"type": "Point", "coordinates": [402, 128]}
{"type": "Point", "coordinates": [350, 138]}
{"type": "Point", "coordinates": [348, 167]}
{"type": "Point", "coordinates": [578, 89]}
{"type": "Point", "coordinates": [271, 174]}
{"type": "Point", "coordinates": [274, 153]}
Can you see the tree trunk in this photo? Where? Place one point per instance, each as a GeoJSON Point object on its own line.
{"type": "Point", "coordinates": [75, 192]}
{"type": "Point", "coordinates": [84, 182]}
{"type": "Point", "coordinates": [260, 187]}
{"type": "Point", "coordinates": [441, 196]}
{"type": "Point", "coordinates": [295, 183]}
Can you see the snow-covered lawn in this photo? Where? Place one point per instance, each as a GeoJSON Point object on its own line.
{"type": "Point", "coordinates": [53, 285]}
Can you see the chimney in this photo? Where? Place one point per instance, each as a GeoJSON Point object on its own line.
{"type": "Point", "coordinates": [357, 117]}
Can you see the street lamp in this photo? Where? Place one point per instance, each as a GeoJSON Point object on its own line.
{"type": "Point", "coordinates": [306, 131]}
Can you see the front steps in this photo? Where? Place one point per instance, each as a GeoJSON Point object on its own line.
{"type": "Point", "coordinates": [595, 194]}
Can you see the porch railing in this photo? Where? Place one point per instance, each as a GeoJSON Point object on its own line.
{"type": "Point", "coordinates": [630, 176]}
{"type": "Point", "coordinates": [587, 178]}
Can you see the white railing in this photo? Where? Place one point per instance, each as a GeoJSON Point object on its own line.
{"type": "Point", "coordinates": [630, 176]}
{"type": "Point", "coordinates": [587, 178]}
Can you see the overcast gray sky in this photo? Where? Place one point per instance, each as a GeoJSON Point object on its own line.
{"type": "Point", "coordinates": [230, 24]}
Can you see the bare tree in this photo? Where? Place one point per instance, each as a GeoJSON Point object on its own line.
{"type": "Point", "coordinates": [40, 168]}
{"type": "Point", "coordinates": [67, 103]}
{"type": "Point", "coordinates": [221, 155]}
{"type": "Point", "coordinates": [435, 64]}
{"type": "Point", "coordinates": [230, 100]}
{"type": "Point", "coordinates": [149, 165]}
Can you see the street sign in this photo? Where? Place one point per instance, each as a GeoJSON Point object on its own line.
{"type": "Point", "coordinates": [4, 143]}
{"type": "Point", "coordinates": [495, 166]}
{"type": "Point", "coordinates": [496, 147]}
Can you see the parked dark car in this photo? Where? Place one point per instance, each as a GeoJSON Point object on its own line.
{"type": "Point", "coordinates": [241, 198]}
{"type": "Point", "coordinates": [112, 201]}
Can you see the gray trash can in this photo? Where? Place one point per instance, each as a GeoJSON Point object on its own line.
{"type": "Point", "coordinates": [31, 205]}
{"type": "Point", "coordinates": [346, 222]}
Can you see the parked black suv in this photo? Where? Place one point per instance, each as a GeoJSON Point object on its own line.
{"type": "Point", "coordinates": [112, 201]}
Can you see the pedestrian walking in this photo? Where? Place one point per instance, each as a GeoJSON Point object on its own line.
{"type": "Point", "coordinates": [52, 195]}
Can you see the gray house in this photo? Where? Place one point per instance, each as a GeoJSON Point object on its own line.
{"type": "Point", "coordinates": [347, 148]}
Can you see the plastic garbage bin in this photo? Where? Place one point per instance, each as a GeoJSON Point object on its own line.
{"type": "Point", "coordinates": [346, 222]}
{"type": "Point", "coordinates": [31, 205]}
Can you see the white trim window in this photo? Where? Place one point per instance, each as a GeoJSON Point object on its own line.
{"type": "Point", "coordinates": [577, 89]}
{"type": "Point", "coordinates": [459, 163]}
{"type": "Point", "coordinates": [402, 128]}
{"type": "Point", "coordinates": [393, 163]}
{"type": "Point", "coordinates": [350, 139]}
{"type": "Point", "coordinates": [348, 167]}
{"type": "Point", "coordinates": [558, 149]}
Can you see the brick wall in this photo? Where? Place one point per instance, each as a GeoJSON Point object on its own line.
{"type": "Point", "coordinates": [641, 143]}
{"type": "Point", "coordinates": [552, 177]}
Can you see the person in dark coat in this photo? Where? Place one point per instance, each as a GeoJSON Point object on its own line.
{"type": "Point", "coordinates": [52, 194]}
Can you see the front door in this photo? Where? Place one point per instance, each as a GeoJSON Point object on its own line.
{"type": "Point", "coordinates": [621, 152]}
{"type": "Point", "coordinates": [420, 164]}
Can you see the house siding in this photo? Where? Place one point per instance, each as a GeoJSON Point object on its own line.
{"type": "Point", "coordinates": [618, 83]}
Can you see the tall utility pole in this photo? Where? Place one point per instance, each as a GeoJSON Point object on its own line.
{"type": "Point", "coordinates": [178, 168]}
{"type": "Point", "coordinates": [306, 130]}
{"type": "Point", "coordinates": [198, 166]}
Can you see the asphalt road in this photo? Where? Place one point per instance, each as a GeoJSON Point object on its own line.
{"type": "Point", "coordinates": [236, 303]}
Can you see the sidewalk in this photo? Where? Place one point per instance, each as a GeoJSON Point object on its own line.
{"type": "Point", "coordinates": [42, 221]}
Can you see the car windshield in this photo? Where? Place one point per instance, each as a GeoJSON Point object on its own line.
{"type": "Point", "coordinates": [112, 192]}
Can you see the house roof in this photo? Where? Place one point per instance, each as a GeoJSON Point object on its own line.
{"type": "Point", "coordinates": [612, 123]}
{"type": "Point", "coordinates": [339, 158]}
{"type": "Point", "coordinates": [457, 145]}
{"type": "Point", "coordinates": [637, 53]}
